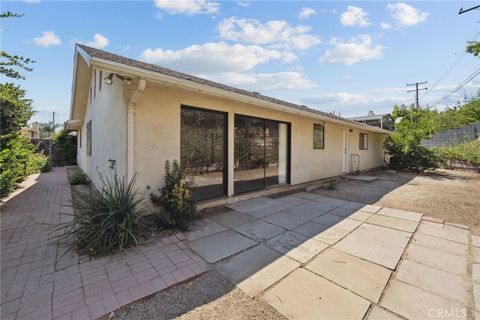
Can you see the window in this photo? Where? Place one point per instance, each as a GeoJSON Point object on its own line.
{"type": "Point", "coordinates": [363, 141]}
{"type": "Point", "coordinates": [80, 138]}
{"type": "Point", "coordinates": [89, 137]}
{"type": "Point", "coordinates": [318, 136]}
{"type": "Point", "coordinates": [100, 80]}
{"type": "Point", "coordinates": [95, 84]}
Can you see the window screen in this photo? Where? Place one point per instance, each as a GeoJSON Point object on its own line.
{"type": "Point", "coordinates": [318, 136]}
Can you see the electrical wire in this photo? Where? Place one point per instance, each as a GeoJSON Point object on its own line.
{"type": "Point", "coordinates": [469, 78]}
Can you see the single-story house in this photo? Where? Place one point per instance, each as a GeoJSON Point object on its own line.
{"type": "Point", "coordinates": [31, 132]}
{"type": "Point", "coordinates": [232, 141]}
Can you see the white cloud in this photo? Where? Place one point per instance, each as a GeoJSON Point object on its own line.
{"type": "Point", "coordinates": [357, 49]}
{"type": "Point", "coordinates": [188, 7]}
{"type": "Point", "coordinates": [98, 42]}
{"type": "Point", "coordinates": [385, 25]}
{"type": "Point", "coordinates": [354, 16]}
{"type": "Point", "coordinates": [406, 14]}
{"type": "Point", "coordinates": [243, 4]}
{"type": "Point", "coordinates": [277, 33]}
{"type": "Point", "coordinates": [306, 13]}
{"type": "Point", "coordinates": [215, 57]}
{"type": "Point", "coordinates": [32, 1]}
{"type": "Point", "coordinates": [263, 82]}
{"type": "Point", "coordinates": [47, 39]}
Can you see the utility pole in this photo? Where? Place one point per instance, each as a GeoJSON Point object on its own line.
{"type": "Point", "coordinates": [416, 90]}
{"type": "Point", "coordinates": [51, 136]}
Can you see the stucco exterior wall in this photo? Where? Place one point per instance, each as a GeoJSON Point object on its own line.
{"type": "Point", "coordinates": [157, 136]}
{"type": "Point", "coordinates": [107, 111]}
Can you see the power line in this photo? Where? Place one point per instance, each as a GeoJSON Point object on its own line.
{"type": "Point", "coordinates": [469, 9]}
{"type": "Point", "coordinates": [449, 69]}
{"type": "Point", "coordinates": [416, 90]}
{"type": "Point", "coordinates": [469, 78]}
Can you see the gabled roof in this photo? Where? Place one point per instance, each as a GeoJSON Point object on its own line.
{"type": "Point", "coordinates": [90, 53]}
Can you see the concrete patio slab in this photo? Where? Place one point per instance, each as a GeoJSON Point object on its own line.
{"type": "Point", "coordinates": [444, 284]}
{"type": "Point", "coordinates": [447, 246]}
{"type": "Point", "coordinates": [476, 296]}
{"type": "Point", "coordinates": [202, 228]}
{"type": "Point", "coordinates": [378, 313]}
{"type": "Point", "coordinates": [308, 195]}
{"type": "Point", "coordinates": [401, 214]}
{"type": "Point", "coordinates": [332, 201]}
{"type": "Point", "coordinates": [360, 215]}
{"type": "Point", "coordinates": [353, 205]}
{"type": "Point", "coordinates": [444, 231]}
{"type": "Point", "coordinates": [437, 259]}
{"type": "Point", "coordinates": [328, 219]}
{"type": "Point", "coordinates": [305, 212]}
{"type": "Point", "coordinates": [377, 244]}
{"type": "Point", "coordinates": [371, 208]}
{"type": "Point", "coordinates": [280, 205]}
{"type": "Point", "coordinates": [247, 263]}
{"type": "Point", "coordinates": [232, 219]}
{"type": "Point", "coordinates": [319, 207]}
{"type": "Point", "coordinates": [285, 220]}
{"type": "Point", "coordinates": [360, 276]}
{"type": "Point", "coordinates": [259, 230]}
{"type": "Point", "coordinates": [476, 254]}
{"type": "Point", "coordinates": [338, 231]}
{"type": "Point", "coordinates": [306, 250]}
{"type": "Point", "coordinates": [220, 245]}
{"type": "Point", "coordinates": [414, 303]}
{"type": "Point", "coordinates": [476, 272]}
{"type": "Point", "coordinates": [393, 223]}
{"type": "Point", "coordinates": [293, 199]}
{"type": "Point", "coordinates": [304, 295]}
{"type": "Point", "coordinates": [343, 212]}
{"type": "Point", "coordinates": [475, 240]}
{"type": "Point", "coordinates": [286, 241]}
{"type": "Point", "coordinates": [267, 276]}
{"type": "Point", "coordinates": [252, 204]}
{"type": "Point", "coordinates": [310, 229]}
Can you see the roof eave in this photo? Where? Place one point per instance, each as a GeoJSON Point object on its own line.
{"type": "Point", "coordinates": [166, 79]}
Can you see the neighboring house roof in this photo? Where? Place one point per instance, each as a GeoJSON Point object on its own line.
{"type": "Point", "coordinates": [29, 129]}
{"type": "Point", "coordinates": [453, 136]}
{"type": "Point", "coordinates": [369, 117]}
{"type": "Point", "coordinates": [118, 61]}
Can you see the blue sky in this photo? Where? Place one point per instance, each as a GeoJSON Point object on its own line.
{"type": "Point", "coordinates": [347, 57]}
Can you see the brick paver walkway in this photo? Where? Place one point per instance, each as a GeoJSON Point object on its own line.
{"type": "Point", "coordinates": [37, 284]}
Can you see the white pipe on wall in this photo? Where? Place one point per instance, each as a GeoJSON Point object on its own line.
{"type": "Point", "coordinates": [131, 127]}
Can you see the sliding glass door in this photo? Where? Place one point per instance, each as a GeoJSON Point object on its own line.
{"type": "Point", "coordinates": [261, 153]}
{"type": "Point", "coordinates": [203, 150]}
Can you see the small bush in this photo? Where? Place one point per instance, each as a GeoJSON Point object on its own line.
{"type": "Point", "coordinates": [36, 162]}
{"type": "Point", "coordinates": [468, 152]}
{"type": "Point", "coordinates": [107, 219]}
{"type": "Point", "coordinates": [65, 147]}
{"type": "Point", "coordinates": [48, 165]}
{"type": "Point", "coordinates": [412, 157]}
{"type": "Point", "coordinates": [330, 185]}
{"type": "Point", "coordinates": [177, 198]}
{"type": "Point", "coordinates": [78, 177]}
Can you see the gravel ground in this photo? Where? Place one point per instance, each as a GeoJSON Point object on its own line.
{"type": "Point", "coordinates": [445, 194]}
{"type": "Point", "coordinates": [209, 296]}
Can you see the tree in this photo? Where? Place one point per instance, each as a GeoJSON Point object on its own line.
{"type": "Point", "coordinates": [15, 109]}
{"type": "Point", "coordinates": [47, 129]}
{"type": "Point", "coordinates": [473, 47]}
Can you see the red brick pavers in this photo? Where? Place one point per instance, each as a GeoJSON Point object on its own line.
{"type": "Point", "coordinates": [38, 283]}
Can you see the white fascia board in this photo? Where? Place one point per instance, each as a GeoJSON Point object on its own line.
{"type": "Point", "coordinates": [78, 53]}
{"type": "Point", "coordinates": [127, 70]}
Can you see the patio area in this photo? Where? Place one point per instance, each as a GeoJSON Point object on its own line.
{"type": "Point", "coordinates": [38, 283]}
{"type": "Point", "coordinates": [314, 257]}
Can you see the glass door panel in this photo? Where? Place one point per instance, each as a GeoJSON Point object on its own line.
{"type": "Point", "coordinates": [249, 154]}
{"type": "Point", "coordinates": [203, 150]}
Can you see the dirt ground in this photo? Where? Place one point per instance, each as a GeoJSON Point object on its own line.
{"type": "Point", "coordinates": [209, 296]}
{"type": "Point", "coordinates": [446, 194]}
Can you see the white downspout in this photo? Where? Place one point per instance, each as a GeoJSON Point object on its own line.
{"type": "Point", "coordinates": [131, 127]}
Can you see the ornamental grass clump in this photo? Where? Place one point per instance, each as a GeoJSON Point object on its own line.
{"type": "Point", "coordinates": [108, 219]}
{"type": "Point", "coordinates": [176, 199]}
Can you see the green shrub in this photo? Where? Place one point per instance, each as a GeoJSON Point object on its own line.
{"type": "Point", "coordinates": [412, 157]}
{"type": "Point", "coordinates": [177, 198]}
{"type": "Point", "coordinates": [48, 165]}
{"type": "Point", "coordinates": [108, 219]}
{"type": "Point", "coordinates": [65, 147]}
{"type": "Point", "coordinates": [18, 159]}
{"type": "Point", "coordinates": [468, 151]}
{"type": "Point", "coordinates": [78, 177]}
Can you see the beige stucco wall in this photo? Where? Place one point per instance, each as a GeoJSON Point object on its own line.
{"type": "Point", "coordinates": [108, 114]}
{"type": "Point", "coordinates": [157, 136]}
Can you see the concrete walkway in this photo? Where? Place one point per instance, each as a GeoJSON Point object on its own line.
{"type": "Point", "coordinates": [314, 257]}
{"type": "Point", "coordinates": [37, 284]}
